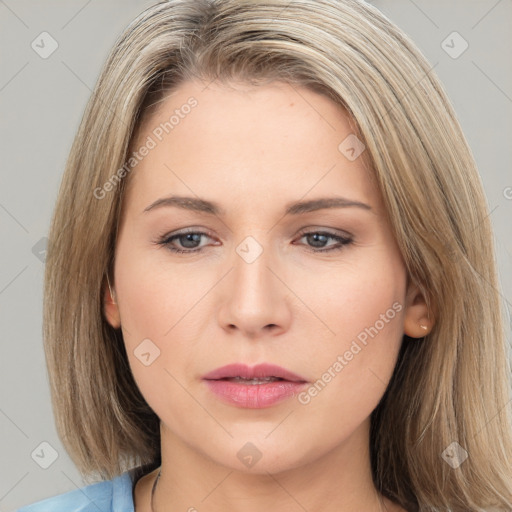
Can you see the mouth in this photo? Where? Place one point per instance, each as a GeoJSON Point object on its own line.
{"type": "Point", "coordinates": [258, 387]}
{"type": "Point", "coordinates": [259, 374]}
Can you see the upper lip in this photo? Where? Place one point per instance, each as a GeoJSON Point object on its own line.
{"type": "Point", "coordinates": [254, 372]}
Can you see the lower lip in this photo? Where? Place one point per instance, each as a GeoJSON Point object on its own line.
{"type": "Point", "coordinates": [255, 396]}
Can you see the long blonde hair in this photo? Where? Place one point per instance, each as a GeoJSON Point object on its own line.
{"type": "Point", "coordinates": [453, 386]}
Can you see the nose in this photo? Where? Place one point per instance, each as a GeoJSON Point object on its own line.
{"type": "Point", "coordinates": [254, 298]}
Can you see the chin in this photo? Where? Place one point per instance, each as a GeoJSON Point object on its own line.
{"type": "Point", "coordinates": [260, 457]}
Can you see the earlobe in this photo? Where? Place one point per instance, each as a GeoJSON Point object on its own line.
{"type": "Point", "coordinates": [110, 307]}
{"type": "Point", "coordinates": [418, 321]}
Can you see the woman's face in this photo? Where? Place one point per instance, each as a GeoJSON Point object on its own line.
{"type": "Point", "coordinates": [318, 291]}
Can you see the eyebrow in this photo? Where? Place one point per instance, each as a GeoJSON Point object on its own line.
{"type": "Point", "coordinates": [295, 208]}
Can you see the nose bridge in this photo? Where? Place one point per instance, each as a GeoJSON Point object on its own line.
{"type": "Point", "coordinates": [252, 277]}
{"type": "Point", "coordinates": [255, 298]}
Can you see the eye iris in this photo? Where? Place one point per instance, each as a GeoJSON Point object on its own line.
{"type": "Point", "coordinates": [315, 236]}
{"type": "Point", "coordinates": [190, 237]}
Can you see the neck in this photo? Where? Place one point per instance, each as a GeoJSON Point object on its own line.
{"type": "Point", "coordinates": [341, 481]}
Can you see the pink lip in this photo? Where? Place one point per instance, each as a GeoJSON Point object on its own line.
{"type": "Point", "coordinates": [253, 396]}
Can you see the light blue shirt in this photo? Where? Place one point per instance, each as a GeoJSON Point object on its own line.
{"type": "Point", "coordinates": [114, 495]}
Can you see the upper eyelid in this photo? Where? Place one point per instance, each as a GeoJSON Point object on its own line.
{"type": "Point", "coordinates": [302, 232]}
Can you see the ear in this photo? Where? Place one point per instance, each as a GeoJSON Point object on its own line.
{"type": "Point", "coordinates": [110, 308]}
{"type": "Point", "coordinates": [418, 321]}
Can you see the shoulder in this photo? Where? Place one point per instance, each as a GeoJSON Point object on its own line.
{"type": "Point", "coordinates": [114, 495]}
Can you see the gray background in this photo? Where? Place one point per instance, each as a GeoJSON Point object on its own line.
{"type": "Point", "coordinates": [42, 101]}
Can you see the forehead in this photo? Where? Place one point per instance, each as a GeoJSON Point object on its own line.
{"type": "Point", "coordinates": [278, 142]}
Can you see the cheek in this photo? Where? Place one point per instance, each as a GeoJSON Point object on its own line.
{"type": "Point", "coordinates": [366, 304]}
{"type": "Point", "coordinates": [362, 293]}
{"type": "Point", "coordinates": [155, 296]}
{"type": "Point", "coordinates": [365, 311]}
{"type": "Point", "coordinates": [160, 312]}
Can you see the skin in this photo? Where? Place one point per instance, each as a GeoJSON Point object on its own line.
{"type": "Point", "coordinates": [253, 150]}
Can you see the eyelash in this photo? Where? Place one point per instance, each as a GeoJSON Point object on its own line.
{"type": "Point", "coordinates": [166, 240]}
